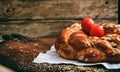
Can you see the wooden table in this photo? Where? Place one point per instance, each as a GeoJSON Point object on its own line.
{"type": "Point", "coordinates": [46, 18]}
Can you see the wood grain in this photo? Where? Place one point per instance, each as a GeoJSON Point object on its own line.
{"type": "Point", "coordinates": [40, 28]}
{"type": "Point", "coordinates": [58, 9]}
{"type": "Point", "coordinates": [47, 17]}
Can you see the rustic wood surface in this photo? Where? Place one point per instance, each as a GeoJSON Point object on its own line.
{"type": "Point", "coordinates": [40, 28]}
{"type": "Point", "coordinates": [58, 9]}
{"type": "Point", "coordinates": [38, 18]}
{"type": "Point", "coordinates": [47, 17]}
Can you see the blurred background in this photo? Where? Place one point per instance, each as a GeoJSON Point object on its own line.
{"type": "Point", "coordinates": [36, 18]}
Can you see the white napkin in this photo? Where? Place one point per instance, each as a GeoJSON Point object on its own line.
{"type": "Point", "coordinates": [52, 57]}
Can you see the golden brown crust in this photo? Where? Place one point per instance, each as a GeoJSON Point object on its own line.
{"type": "Point", "coordinates": [111, 28]}
{"type": "Point", "coordinates": [73, 43]}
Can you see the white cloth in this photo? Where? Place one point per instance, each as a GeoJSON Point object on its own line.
{"type": "Point", "coordinates": [52, 57]}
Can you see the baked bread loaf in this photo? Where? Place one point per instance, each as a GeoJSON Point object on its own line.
{"type": "Point", "coordinates": [74, 43]}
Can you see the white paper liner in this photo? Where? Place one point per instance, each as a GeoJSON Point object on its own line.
{"type": "Point", "coordinates": [52, 57]}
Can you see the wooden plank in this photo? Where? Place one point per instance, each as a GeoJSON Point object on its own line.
{"type": "Point", "coordinates": [58, 9]}
{"type": "Point", "coordinates": [40, 28]}
{"type": "Point", "coordinates": [33, 29]}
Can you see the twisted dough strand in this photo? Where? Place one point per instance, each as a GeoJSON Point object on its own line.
{"type": "Point", "coordinates": [73, 43]}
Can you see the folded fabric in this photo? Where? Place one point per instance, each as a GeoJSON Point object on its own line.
{"type": "Point", "coordinates": [52, 57]}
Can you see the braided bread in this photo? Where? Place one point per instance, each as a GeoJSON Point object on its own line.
{"type": "Point", "coordinates": [73, 43]}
